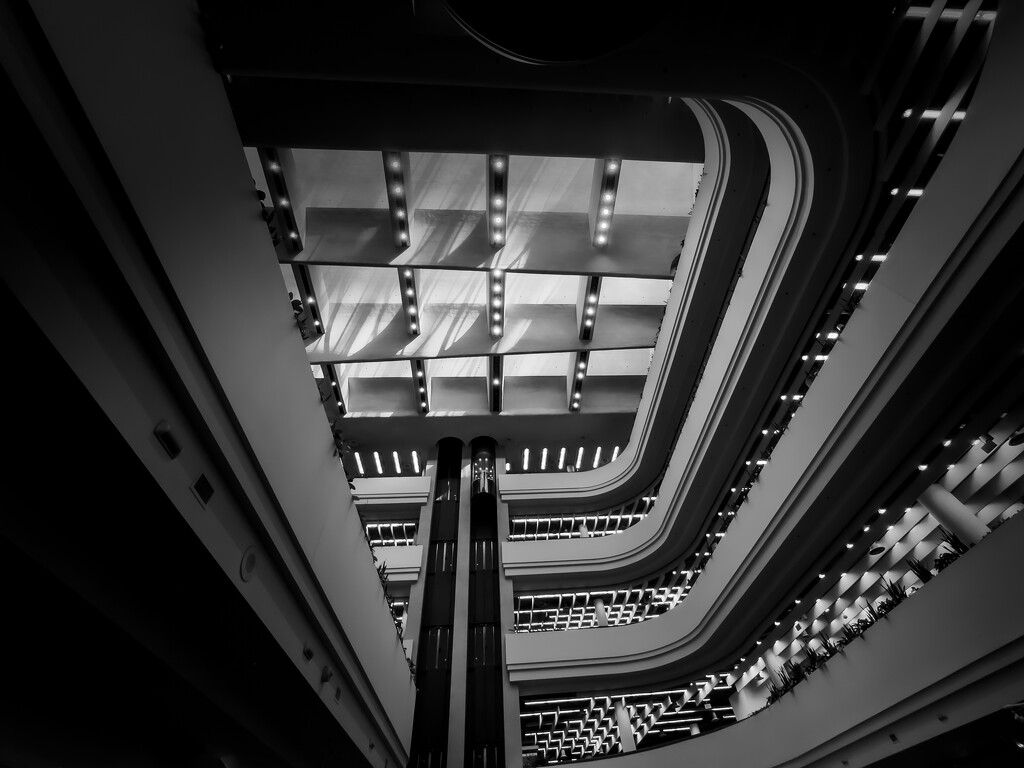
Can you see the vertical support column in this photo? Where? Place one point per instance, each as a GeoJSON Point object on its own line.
{"type": "Point", "coordinates": [600, 613]}
{"type": "Point", "coordinates": [435, 666]}
{"type": "Point", "coordinates": [506, 598]}
{"type": "Point", "coordinates": [485, 669]}
{"type": "Point", "coordinates": [626, 740]}
{"type": "Point", "coordinates": [953, 515]}
{"type": "Point", "coordinates": [460, 625]}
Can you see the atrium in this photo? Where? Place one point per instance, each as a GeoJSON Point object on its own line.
{"type": "Point", "coordinates": [422, 385]}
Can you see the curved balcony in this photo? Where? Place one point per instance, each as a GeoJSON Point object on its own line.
{"type": "Point", "coordinates": [896, 364]}
{"type": "Point", "coordinates": [914, 675]}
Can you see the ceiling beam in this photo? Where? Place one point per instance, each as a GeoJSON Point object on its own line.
{"type": "Point", "coordinates": [494, 304]}
{"type": "Point", "coordinates": [466, 330]}
{"type": "Point", "coordinates": [309, 318]}
{"type": "Point", "coordinates": [464, 119]}
{"type": "Point", "coordinates": [586, 306]}
{"type": "Point", "coordinates": [574, 379]}
{"type": "Point", "coordinates": [497, 200]}
{"type": "Point", "coordinates": [542, 241]}
{"type": "Point", "coordinates": [421, 384]}
{"type": "Point", "coordinates": [410, 301]}
{"type": "Point", "coordinates": [495, 382]}
{"type": "Point", "coordinates": [603, 192]}
{"type": "Point", "coordinates": [399, 194]}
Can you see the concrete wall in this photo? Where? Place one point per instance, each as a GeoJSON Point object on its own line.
{"type": "Point", "coordinates": [177, 154]}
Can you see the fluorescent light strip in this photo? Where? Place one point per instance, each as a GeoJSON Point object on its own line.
{"type": "Point", "coordinates": [376, 459]}
{"type": "Point", "coordinates": [359, 464]}
{"type": "Point", "coordinates": [615, 453]}
{"type": "Point", "coordinates": [579, 458]}
{"type": "Point", "coordinates": [543, 459]}
{"type": "Point", "coordinates": [398, 464]}
{"type": "Point", "coordinates": [561, 459]}
{"type": "Point", "coordinates": [597, 457]}
{"type": "Point", "coordinates": [526, 459]}
{"type": "Point", "coordinates": [415, 462]}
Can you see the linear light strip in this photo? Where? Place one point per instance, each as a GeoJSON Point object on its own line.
{"type": "Point", "coordinates": [395, 178]}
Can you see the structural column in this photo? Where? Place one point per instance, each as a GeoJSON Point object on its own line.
{"type": "Point", "coordinates": [626, 739]}
{"type": "Point", "coordinates": [434, 655]}
{"type": "Point", "coordinates": [600, 613]}
{"type": "Point", "coordinates": [953, 515]}
{"type": "Point", "coordinates": [485, 722]}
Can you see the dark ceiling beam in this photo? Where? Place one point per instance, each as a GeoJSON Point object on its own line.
{"type": "Point", "coordinates": [603, 192]}
{"type": "Point", "coordinates": [525, 329]}
{"type": "Point", "coordinates": [463, 119]}
{"type": "Point", "coordinates": [495, 381]}
{"type": "Point", "coordinates": [541, 241]}
{"type": "Point", "coordinates": [586, 306]}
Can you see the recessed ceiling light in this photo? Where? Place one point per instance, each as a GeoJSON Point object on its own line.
{"type": "Point", "coordinates": [275, 167]}
{"type": "Point", "coordinates": [496, 382]}
{"type": "Point", "coordinates": [397, 189]}
{"type": "Point", "coordinates": [497, 316]}
{"type": "Point", "coordinates": [601, 239]}
{"type": "Point", "coordinates": [608, 197]}
{"type": "Point", "coordinates": [498, 219]}
{"type": "Point", "coordinates": [613, 166]}
{"type": "Point", "coordinates": [588, 322]}
{"type": "Point", "coordinates": [498, 202]}
{"type": "Point", "coordinates": [496, 329]}
{"type": "Point", "coordinates": [410, 292]}
{"type": "Point", "coordinates": [499, 163]}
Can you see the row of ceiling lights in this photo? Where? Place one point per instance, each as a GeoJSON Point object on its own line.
{"type": "Point", "coordinates": [606, 204]}
{"type": "Point", "coordinates": [379, 464]}
{"type": "Point", "coordinates": [497, 187]}
{"type": "Point", "coordinates": [561, 459]}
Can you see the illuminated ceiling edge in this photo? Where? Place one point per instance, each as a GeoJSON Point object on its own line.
{"type": "Point", "coordinates": [665, 525]}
